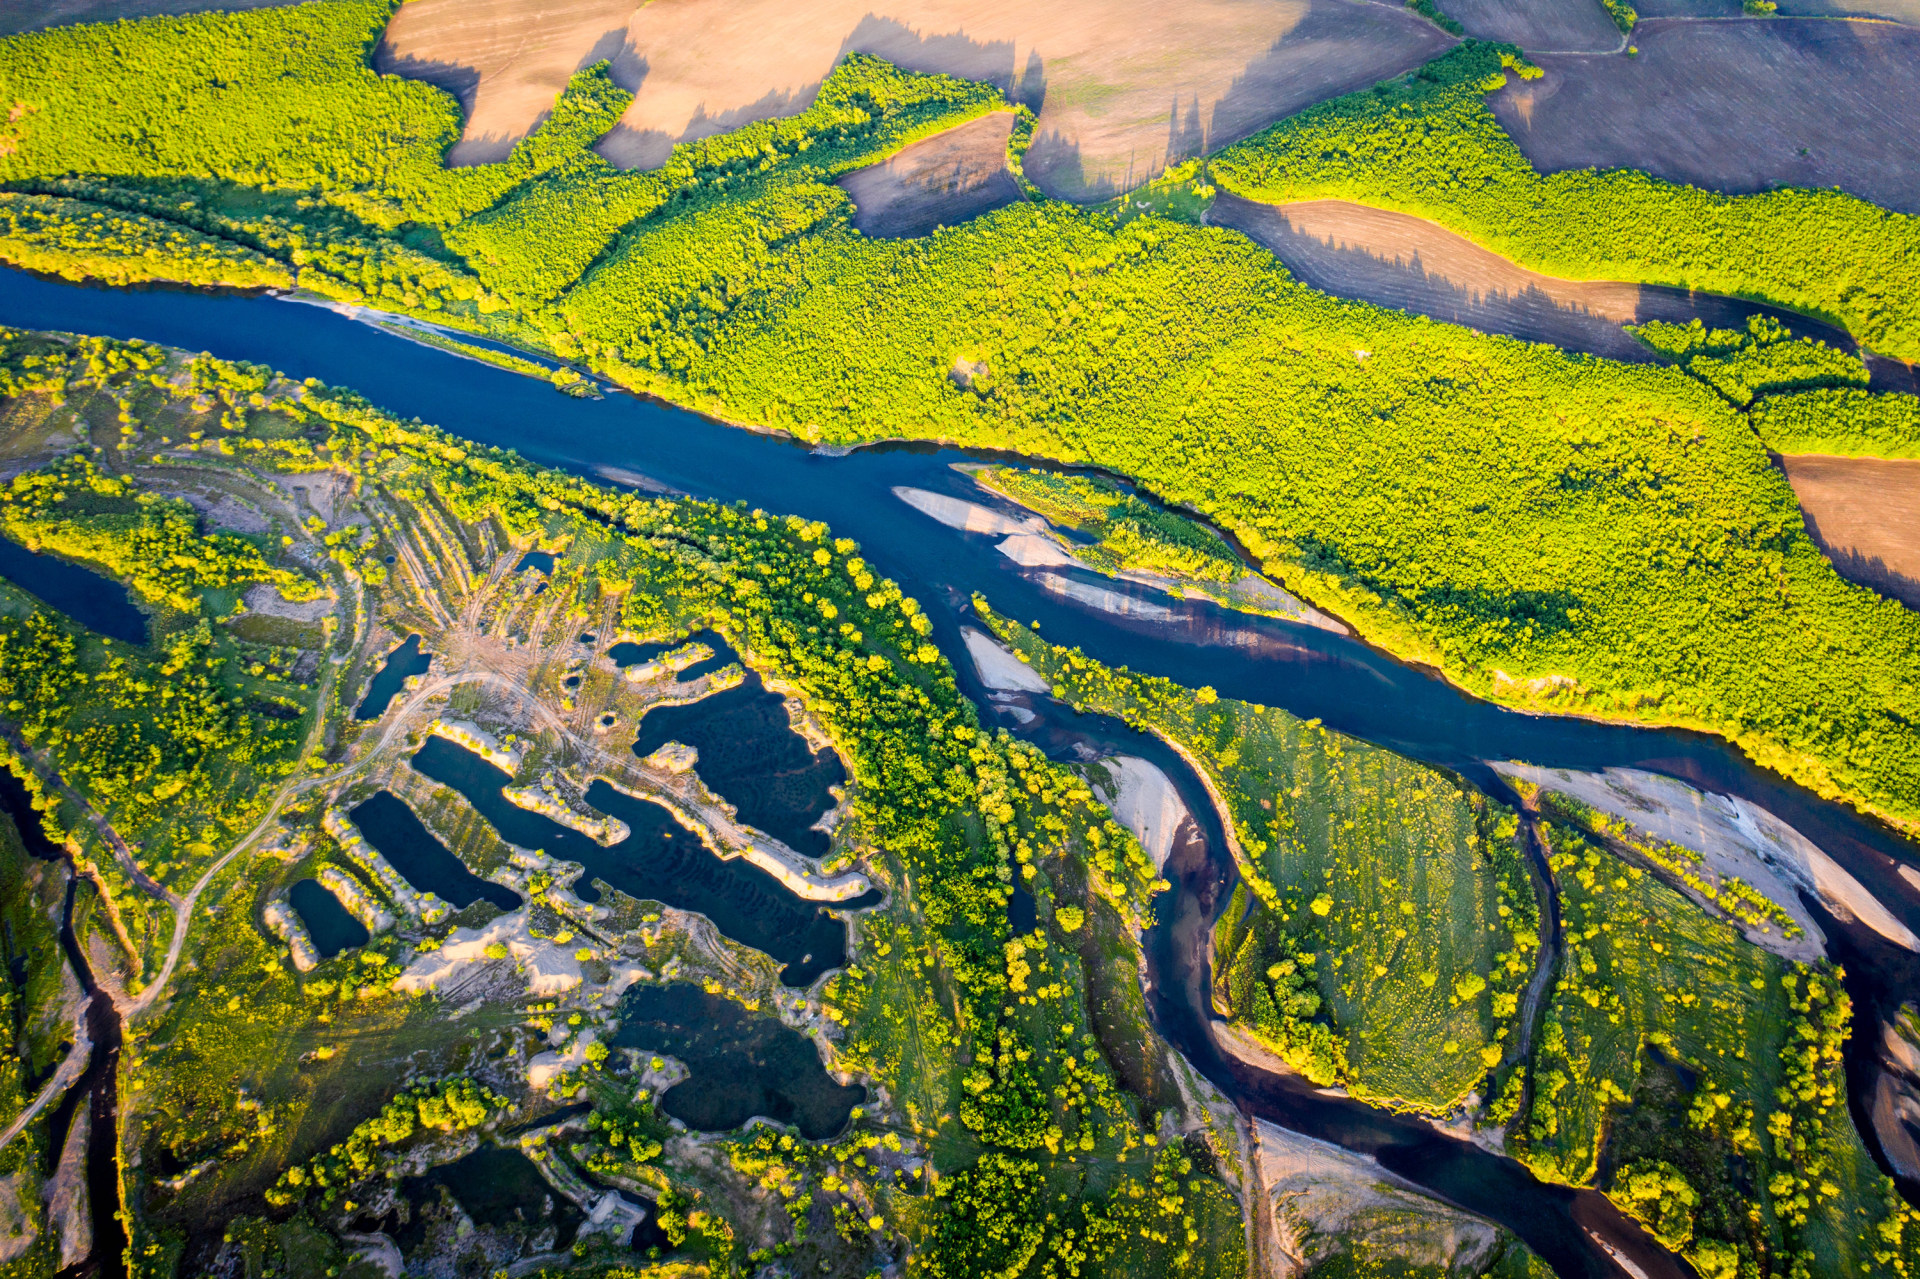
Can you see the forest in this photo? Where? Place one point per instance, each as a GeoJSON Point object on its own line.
{"type": "Point", "coordinates": [1552, 531]}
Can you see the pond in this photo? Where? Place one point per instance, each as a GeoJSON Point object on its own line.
{"type": "Point", "coordinates": [751, 757]}
{"type": "Point", "coordinates": [332, 927]}
{"type": "Point", "coordinates": [498, 1187]}
{"type": "Point", "coordinates": [741, 1064]}
{"type": "Point", "coordinates": [426, 863]}
{"type": "Point", "coordinates": [660, 860]}
{"type": "Point", "coordinates": [98, 603]}
{"type": "Point", "coordinates": [627, 653]}
{"type": "Point", "coordinates": [401, 665]}
{"type": "Point", "coordinates": [537, 560]}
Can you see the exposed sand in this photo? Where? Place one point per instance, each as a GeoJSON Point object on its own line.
{"type": "Point", "coordinates": [549, 969]}
{"type": "Point", "coordinates": [942, 181]}
{"type": "Point", "coordinates": [1144, 801]}
{"type": "Point", "coordinates": [1896, 1119]}
{"type": "Point", "coordinates": [1736, 107]}
{"type": "Point", "coordinates": [1103, 600]}
{"type": "Point", "coordinates": [1413, 264]}
{"type": "Point", "coordinates": [1030, 550]}
{"type": "Point", "coordinates": [1735, 838]}
{"type": "Point", "coordinates": [968, 517]}
{"type": "Point", "coordinates": [1582, 25]}
{"type": "Point", "coordinates": [998, 667]}
{"type": "Point", "coordinates": [1865, 514]}
{"type": "Point", "coordinates": [1324, 1196]}
{"type": "Point", "coordinates": [1121, 86]}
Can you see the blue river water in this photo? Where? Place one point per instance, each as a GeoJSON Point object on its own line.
{"type": "Point", "coordinates": [1349, 686]}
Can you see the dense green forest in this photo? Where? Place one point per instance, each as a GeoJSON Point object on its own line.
{"type": "Point", "coordinates": [1429, 145]}
{"type": "Point", "coordinates": [1551, 530]}
{"type": "Point", "coordinates": [1845, 423]}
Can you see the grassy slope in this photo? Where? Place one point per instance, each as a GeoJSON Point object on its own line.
{"type": "Point", "coordinates": [1398, 854]}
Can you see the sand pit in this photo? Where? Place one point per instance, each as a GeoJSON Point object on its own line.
{"type": "Point", "coordinates": [1560, 25]}
{"type": "Point", "coordinates": [1120, 88]}
{"type": "Point", "coordinates": [1735, 107]}
{"type": "Point", "coordinates": [1412, 264]}
{"type": "Point", "coordinates": [942, 181]}
{"type": "Point", "coordinates": [1865, 514]}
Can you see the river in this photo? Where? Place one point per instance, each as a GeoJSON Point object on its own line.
{"type": "Point", "coordinates": [1314, 673]}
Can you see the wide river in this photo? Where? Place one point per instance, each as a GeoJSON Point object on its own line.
{"type": "Point", "coordinates": [1310, 672]}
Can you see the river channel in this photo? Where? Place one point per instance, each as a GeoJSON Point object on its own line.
{"type": "Point", "coordinates": [1310, 672]}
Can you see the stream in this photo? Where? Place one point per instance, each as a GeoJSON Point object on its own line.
{"type": "Point", "coordinates": [1351, 687]}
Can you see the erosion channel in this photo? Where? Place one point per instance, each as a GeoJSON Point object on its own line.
{"type": "Point", "coordinates": [1309, 671]}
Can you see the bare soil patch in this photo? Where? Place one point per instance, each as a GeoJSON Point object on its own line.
{"type": "Point", "coordinates": [31, 15]}
{"type": "Point", "coordinates": [1907, 11]}
{"type": "Point", "coordinates": [1865, 514]}
{"type": "Point", "coordinates": [1581, 25]}
{"type": "Point", "coordinates": [942, 181]}
{"type": "Point", "coordinates": [1412, 264]}
{"type": "Point", "coordinates": [1735, 106]}
{"type": "Point", "coordinates": [506, 60]}
{"type": "Point", "coordinates": [1122, 87]}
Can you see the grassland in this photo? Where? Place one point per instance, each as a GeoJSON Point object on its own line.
{"type": "Point", "coordinates": [1385, 890]}
{"type": "Point", "coordinates": [1671, 1053]}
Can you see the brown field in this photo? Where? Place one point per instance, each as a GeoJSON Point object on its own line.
{"type": "Point", "coordinates": [1397, 260]}
{"type": "Point", "coordinates": [1582, 25]}
{"type": "Point", "coordinates": [30, 15]}
{"type": "Point", "coordinates": [1736, 106]}
{"type": "Point", "coordinates": [1121, 86]}
{"type": "Point", "coordinates": [1865, 514]}
{"type": "Point", "coordinates": [942, 181]}
{"type": "Point", "coordinates": [1907, 11]}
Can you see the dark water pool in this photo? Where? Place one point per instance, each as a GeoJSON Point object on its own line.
{"type": "Point", "coordinates": [662, 861]}
{"type": "Point", "coordinates": [332, 927]}
{"type": "Point", "coordinates": [98, 603]}
{"type": "Point", "coordinates": [741, 1064]}
{"type": "Point", "coordinates": [393, 828]}
{"type": "Point", "coordinates": [498, 1187]}
{"type": "Point", "coordinates": [627, 653]}
{"type": "Point", "coordinates": [751, 757]}
{"type": "Point", "coordinates": [540, 560]}
{"type": "Point", "coordinates": [401, 664]}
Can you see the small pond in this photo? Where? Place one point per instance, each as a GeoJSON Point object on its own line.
{"type": "Point", "coordinates": [662, 861]}
{"type": "Point", "coordinates": [401, 664]}
{"type": "Point", "coordinates": [98, 603]}
{"type": "Point", "coordinates": [498, 1187]}
{"type": "Point", "coordinates": [539, 560]}
{"type": "Point", "coordinates": [17, 803]}
{"type": "Point", "coordinates": [751, 757]}
{"type": "Point", "coordinates": [332, 927]}
{"type": "Point", "coordinates": [742, 1064]}
{"type": "Point", "coordinates": [627, 653]}
{"type": "Point", "coordinates": [393, 828]}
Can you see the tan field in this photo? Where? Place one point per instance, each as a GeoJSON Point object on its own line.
{"type": "Point", "coordinates": [1865, 514]}
{"type": "Point", "coordinates": [1736, 106]}
{"type": "Point", "coordinates": [942, 181]}
{"type": "Point", "coordinates": [1409, 263]}
{"type": "Point", "coordinates": [1120, 85]}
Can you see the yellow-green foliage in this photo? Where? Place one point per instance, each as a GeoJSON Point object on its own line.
{"type": "Point", "coordinates": [1645, 973]}
{"type": "Point", "coordinates": [443, 1106]}
{"type": "Point", "coordinates": [279, 98]}
{"type": "Point", "coordinates": [30, 985]}
{"type": "Point", "coordinates": [86, 242]}
{"type": "Point", "coordinates": [1131, 533]}
{"type": "Point", "coordinates": [1428, 145]}
{"type": "Point", "coordinates": [1766, 358]}
{"type": "Point", "coordinates": [155, 545]}
{"type": "Point", "coordinates": [737, 194]}
{"type": "Point", "coordinates": [1492, 507]}
{"type": "Point", "coordinates": [1845, 423]}
{"type": "Point", "coordinates": [1403, 885]}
